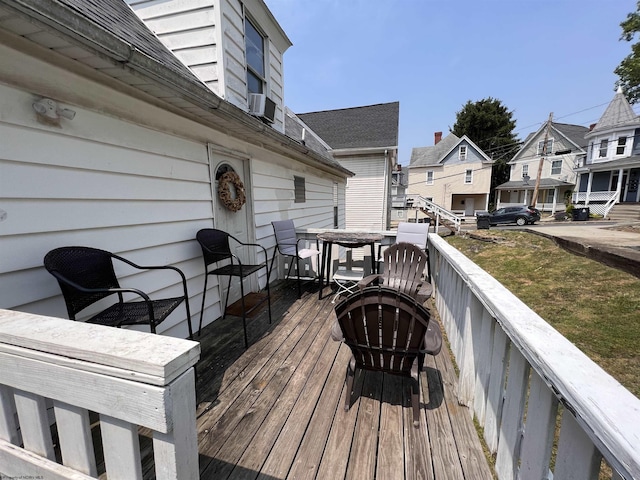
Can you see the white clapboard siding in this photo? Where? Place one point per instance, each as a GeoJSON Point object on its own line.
{"type": "Point", "coordinates": [129, 378]}
{"type": "Point", "coordinates": [532, 370]}
{"type": "Point", "coordinates": [365, 203]}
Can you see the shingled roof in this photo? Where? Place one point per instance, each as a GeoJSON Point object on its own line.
{"type": "Point", "coordinates": [619, 113]}
{"type": "Point", "coordinates": [423, 156]}
{"type": "Point", "coordinates": [358, 127]}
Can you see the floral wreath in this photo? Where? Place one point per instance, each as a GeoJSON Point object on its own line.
{"type": "Point", "coordinates": [224, 191]}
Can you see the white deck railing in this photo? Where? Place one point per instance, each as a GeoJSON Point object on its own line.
{"type": "Point", "coordinates": [418, 201]}
{"type": "Point", "coordinates": [515, 371]}
{"type": "Point", "coordinates": [55, 371]}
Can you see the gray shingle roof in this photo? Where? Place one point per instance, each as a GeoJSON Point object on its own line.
{"type": "Point", "coordinates": [423, 156]}
{"type": "Point", "coordinates": [618, 113]}
{"type": "Point", "coordinates": [575, 133]}
{"type": "Point", "coordinates": [359, 127]}
{"type": "Point", "coordinates": [531, 185]}
{"type": "Point", "coordinates": [116, 17]}
{"type": "Point", "coordinates": [293, 129]}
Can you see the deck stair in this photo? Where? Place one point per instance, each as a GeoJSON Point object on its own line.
{"type": "Point", "coordinates": [625, 213]}
{"type": "Point", "coordinates": [439, 215]}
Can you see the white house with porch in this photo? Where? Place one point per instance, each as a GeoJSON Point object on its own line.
{"type": "Point", "coordinates": [610, 173]}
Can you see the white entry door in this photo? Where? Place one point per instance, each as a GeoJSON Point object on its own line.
{"type": "Point", "coordinates": [239, 224]}
{"type": "Point", "coordinates": [469, 207]}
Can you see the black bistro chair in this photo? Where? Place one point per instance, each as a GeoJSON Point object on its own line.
{"type": "Point", "coordinates": [86, 275]}
{"type": "Point", "coordinates": [216, 248]}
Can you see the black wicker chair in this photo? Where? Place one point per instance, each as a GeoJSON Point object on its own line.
{"type": "Point", "coordinates": [86, 275]}
{"type": "Point", "coordinates": [216, 248]}
{"type": "Point", "coordinates": [386, 331]}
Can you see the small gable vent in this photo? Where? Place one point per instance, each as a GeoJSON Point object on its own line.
{"type": "Point", "coordinates": [262, 106]}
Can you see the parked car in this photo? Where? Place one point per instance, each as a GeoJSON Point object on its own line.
{"type": "Point", "coordinates": [520, 215]}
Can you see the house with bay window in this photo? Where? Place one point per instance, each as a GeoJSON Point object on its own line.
{"type": "Point", "coordinates": [610, 172]}
{"type": "Point", "coordinates": [554, 150]}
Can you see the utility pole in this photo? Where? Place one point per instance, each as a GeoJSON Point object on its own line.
{"type": "Point", "coordinates": [542, 158]}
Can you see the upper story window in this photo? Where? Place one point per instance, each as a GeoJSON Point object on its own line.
{"type": "Point", "coordinates": [556, 167]}
{"type": "Point", "coordinates": [541, 147]}
{"type": "Point", "coordinates": [468, 176]}
{"type": "Point", "coordinates": [254, 46]}
{"type": "Point", "coordinates": [525, 170]}
{"type": "Point", "coordinates": [622, 143]}
{"type": "Point", "coordinates": [604, 145]}
{"type": "Point", "coordinates": [430, 176]}
{"type": "Point", "coordinates": [462, 152]}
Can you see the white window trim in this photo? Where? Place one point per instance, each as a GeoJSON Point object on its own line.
{"type": "Point", "coordinates": [554, 161]}
{"type": "Point", "coordinates": [525, 169]}
{"type": "Point", "coordinates": [624, 147]}
{"type": "Point", "coordinates": [433, 176]}
{"type": "Point", "coordinates": [461, 155]}
{"type": "Point", "coordinates": [470, 181]}
{"type": "Point", "coordinates": [606, 148]}
{"type": "Point", "coordinates": [541, 147]}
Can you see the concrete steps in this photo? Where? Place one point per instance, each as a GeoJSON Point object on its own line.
{"type": "Point", "coordinates": [625, 213]}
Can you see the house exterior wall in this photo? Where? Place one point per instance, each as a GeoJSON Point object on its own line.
{"type": "Point", "coordinates": [124, 175]}
{"type": "Point", "coordinates": [367, 193]}
{"type": "Point", "coordinates": [449, 180]}
{"type": "Point", "coordinates": [530, 158]}
{"type": "Point", "coordinates": [208, 36]}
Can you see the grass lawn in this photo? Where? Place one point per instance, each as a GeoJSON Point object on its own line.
{"type": "Point", "coordinates": [596, 307]}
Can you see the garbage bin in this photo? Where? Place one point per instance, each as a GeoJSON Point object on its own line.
{"type": "Point", "coordinates": [580, 214]}
{"type": "Point", "coordinates": [483, 221]}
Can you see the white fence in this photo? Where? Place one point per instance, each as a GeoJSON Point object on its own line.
{"type": "Point", "coordinates": [515, 371]}
{"type": "Point", "coordinates": [77, 377]}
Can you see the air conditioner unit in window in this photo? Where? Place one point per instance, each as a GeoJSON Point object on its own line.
{"type": "Point", "coordinates": [262, 106]}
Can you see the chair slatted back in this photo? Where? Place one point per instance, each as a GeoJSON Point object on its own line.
{"type": "Point", "coordinates": [384, 329]}
{"type": "Point", "coordinates": [404, 265]}
{"type": "Point", "coordinates": [286, 238]}
{"type": "Point", "coordinates": [215, 245]}
{"type": "Point", "coordinates": [85, 266]}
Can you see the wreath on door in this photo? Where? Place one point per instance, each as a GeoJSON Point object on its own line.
{"type": "Point", "coordinates": [232, 202]}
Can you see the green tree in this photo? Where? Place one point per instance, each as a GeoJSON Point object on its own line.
{"type": "Point", "coordinates": [629, 68]}
{"type": "Point", "coordinates": [489, 124]}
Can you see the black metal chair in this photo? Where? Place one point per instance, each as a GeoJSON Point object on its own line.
{"type": "Point", "coordinates": [216, 248]}
{"type": "Point", "coordinates": [86, 275]}
{"type": "Point", "coordinates": [386, 331]}
{"type": "Point", "coordinates": [288, 245]}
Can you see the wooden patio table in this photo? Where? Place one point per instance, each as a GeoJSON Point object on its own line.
{"type": "Point", "coordinates": [348, 239]}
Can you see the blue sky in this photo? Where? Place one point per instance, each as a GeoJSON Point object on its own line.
{"type": "Point", "coordinates": [536, 56]}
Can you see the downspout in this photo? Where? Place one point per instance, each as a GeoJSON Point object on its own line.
{"type": "Point", "coordinates": [387, 187]}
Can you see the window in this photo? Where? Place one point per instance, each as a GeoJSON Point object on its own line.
{"type": "Point", "coordinates": [299, 189]}
{"type": "Point", "coordinates": [430, 177]}
{"type": "Point", "coordinates": [468, 176]}
{"type": "Point", "coordinates": [462, 152]}
{"type": "Point", "coordinates": [254, 47]}
{"type": "Point", "coordinates": [525, 170]}
{"type": "Point", "coordinates": [550, 196]}
{"type": "Point", "coordinates": [604, 145]}
{"type": "Point", "coordinates": [541, 147]}
{"type": "Point", "coordinates": [556, 167]}
{"type": "Point", "coordinates": [335, 204]}
{"type": "Point", "coordinates": [622, 143]}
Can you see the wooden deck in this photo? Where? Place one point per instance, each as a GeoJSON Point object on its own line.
{"type": "Point", "coordinates": [275, 410]}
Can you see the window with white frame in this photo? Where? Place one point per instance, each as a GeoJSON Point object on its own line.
{"type": "Point", "coordinates": [550, 196]}
{"type": "Point", "coordinates": [462, 152]}
{"type": "Point", "coordinates": [549, 147]}
{"type": "Point", "coordinates": [430, 176]}
{"type": "Point", "coordinates": [525, 170]}
{"type": "Point", "coordinates": [468, 176]}
{"type": "Point", "coordinates": [556, 167]}
{"type": "Point", "coordinates": [604, 146]}
{"type": "Point", "coordinates": [622, 143]}
{"type": "Point", "coordinates": [254, 46]}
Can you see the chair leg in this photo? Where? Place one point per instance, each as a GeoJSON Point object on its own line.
{"type": "Point", "coordinates": [204, 294]}
{"type": "Point", "coordinates": [244, 313]}
{"type": "Point", "coordinates": [298, 274]}
{"type": "Point", "coordinates": [415, 393]}
{"type": "Point", "coordinates": [351, 367]}
{"type": "Point", "coordinates": [226, 302]}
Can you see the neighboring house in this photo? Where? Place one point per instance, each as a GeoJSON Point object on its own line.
{"type": "Point", "coordinates": [564, 150]}
{"type": "Point", "coordinates": [235, 47]}
{"type": "Point", "coordinates": [127, 154]}
{"type": "Point", "coordinates": [365, 141]}
{"type": "Point", "coordinates": [453, 173]}
{"type": "Point", "coordinates": [611, 172]}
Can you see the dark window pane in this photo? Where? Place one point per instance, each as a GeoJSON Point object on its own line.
{"type": "Point", "coordinates": [255, 48]}
{"type": "Point", "coordinates": [254, 83]}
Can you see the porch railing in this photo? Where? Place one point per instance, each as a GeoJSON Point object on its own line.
{"type": "Point", "coordinates": [515, 373]}
{"type": "Point", "coordinates": [69, 376]}
{"type": "Point", "coordinates": [600, 203]}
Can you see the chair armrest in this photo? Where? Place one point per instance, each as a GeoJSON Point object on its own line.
{"type": "Point", "coordinates": [424, 292]}
{"type": "Point", "coordinates": [63, 279]}
{"type": "Point", "coordinates": [369, 280]}
{"type": "Point", "coordinates": [156, 267]}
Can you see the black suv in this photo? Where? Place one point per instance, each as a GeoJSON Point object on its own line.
{"type": "Point", "coordinates": [520, 215]}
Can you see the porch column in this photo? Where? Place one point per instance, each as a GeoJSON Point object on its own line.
{"type": "Point", "coordinates": [586, 200]}
{"type": "Point", "coordinates": [619, 185]}
{"type": "Point", "coordinates": [555, 201]}
{"type": "Point", "coordinates": [526, 197]}
{"type": "Point", "coordinates": [498, 200]}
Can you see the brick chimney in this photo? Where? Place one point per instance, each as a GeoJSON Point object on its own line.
{"type": "Point", "coordinates": [437, 136]}
{"type": "Point", "coordinates": [592, 126]}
